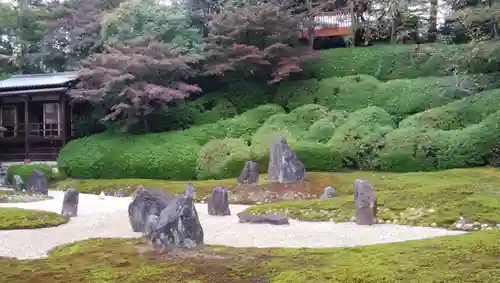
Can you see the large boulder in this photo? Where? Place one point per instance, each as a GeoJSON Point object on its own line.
{"type": "Point", "coordinates": [37, 183]}
{"type": "Point", "coordinates": [275, 219]}
{"type": "Point", "coordinates": [178, 225]}
{"type": "Point", "coordinates": [70, 203]}
{"type": "Point", "coordinates": [250, 173]}
{"type": "Point", "coordinates": [284, 166]}
{"type": "Point", "coordinates": [218, 204]}
{"type": "Point", "coordinates": [366, 203]}
{"type": "Point", "coordinates": [146, 202]}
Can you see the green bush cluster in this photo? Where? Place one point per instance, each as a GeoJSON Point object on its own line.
{"type": "Point", "coordinates": [24, 171]}
{"type": "Point", "coordinates": [222, 158]}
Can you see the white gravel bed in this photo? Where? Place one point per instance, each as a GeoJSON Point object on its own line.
{"type": "Point", "coordinates": [108, 218]}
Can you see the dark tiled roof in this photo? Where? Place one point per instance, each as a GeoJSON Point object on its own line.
{"type": "Point", "coordinates": [38, 80]}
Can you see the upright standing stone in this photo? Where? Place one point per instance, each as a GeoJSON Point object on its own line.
{"type": "Point", "coordinates": [17, 183]}
{"type": "Point", "coordinates": [366, 203]}
{"type": "Point", "coordinates": [37, 183]}
{"type": "Point", "coordinates": [146, 202]}
{"type": "Point", "coordinates": [329, 192]}
{"type": "Point", "coordinates": [70, 203]}
{"type": "Point", "coordinates": [284, 165]}
{"type": "Point", "coordinates": [219, 203]}
{"type": "Point", "coordinates": [190, 190]}
{"type": "Point", "coordinates": [250, 173]}
{"type": "Point", "coordinates": [178, 224]}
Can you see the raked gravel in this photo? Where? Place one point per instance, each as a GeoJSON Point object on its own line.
{"type": "Point", "coordinates": [108, 218]}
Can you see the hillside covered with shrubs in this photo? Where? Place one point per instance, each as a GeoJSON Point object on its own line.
{"type": "Point", "coordinates": [350, 120]}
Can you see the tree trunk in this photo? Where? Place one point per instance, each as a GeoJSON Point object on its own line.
{"type": "Point", "coordinates": [311, 23]}
{"type": "Point", "coordinates": [432, 33]}
{"type": "Point", "coordinates": [354, 23]}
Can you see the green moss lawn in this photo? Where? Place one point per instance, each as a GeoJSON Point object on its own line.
{"type": "Point", "coordinates": [466, 258]}
{"type": "Point", "coordinates": [18, 218]}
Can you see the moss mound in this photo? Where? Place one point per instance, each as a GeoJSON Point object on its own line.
{"type": "Point", "coordinates": [409, 198]}
{"type": "Point", "coordinates": [465, 258]}
{"type": "Point", "coordinates": [12, 218]}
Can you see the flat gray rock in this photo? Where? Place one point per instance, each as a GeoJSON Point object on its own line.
{"type": "Point", "coordinates": [263, 219]}
{"type": "Point", "coordinates": [328, 192]}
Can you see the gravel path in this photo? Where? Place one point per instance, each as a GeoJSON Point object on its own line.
{"type": "Point", "coordinates": [109, 218]}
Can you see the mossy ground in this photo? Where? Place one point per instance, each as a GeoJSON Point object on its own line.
{"type": "Point", "coordinates": [465, 258]}
{"type": "Point", "coordinates": [18, 218]}
{"type": "Point", "coordinates": [408, 198]}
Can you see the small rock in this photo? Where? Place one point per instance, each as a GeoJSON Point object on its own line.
{"type": "Point", "coordinates": [37, 183]}
{"type": "Point", "coordinates": [250, 173]}
{"type": "Point", "coordinates": [120, 193]}
{"type": "Point", "coordinates": [70, 203]}
{"type": "Point", "coordinates": [218, 203]}
{"type": "Point", "coordinates": [102, 195]}
{"type": "Point", "coordinates": [328, 192]}
{"type": "Point", "coordinates": [433, 225]}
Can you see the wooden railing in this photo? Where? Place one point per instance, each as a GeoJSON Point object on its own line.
{"type": "Point", "coordinates": [340, 18]}
{"type": "Point", "coordinates": [42, 130]}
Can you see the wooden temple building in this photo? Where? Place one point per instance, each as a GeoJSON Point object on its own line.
{"type": "Point", "coordinates": [36, 118]}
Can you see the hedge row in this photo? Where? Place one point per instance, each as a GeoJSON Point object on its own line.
{"type": "Point", "coordinates": [324, 140]}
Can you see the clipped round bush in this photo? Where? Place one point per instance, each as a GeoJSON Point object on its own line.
{"type": "Point", "coordinates": [360, 135]}
{"type": "Point", "coordinates": [347, 93]}
{"type": "Point", "coordinates": [457, 114]}
{"type": "Point", "coordinates": [406, 150]}
{"type": "Point", "coordinates": [24, 171]}
{"type": "Point", "coordinates": [241, 126]}
{"type": "Point", "coordinates": [405, 97]}
{"type": "Point", "coordinates": [155, 156]}
{"type": "Point", "coordinates": [293, 94]}
{"type": "Point", "coordinates": [318, 156]}
{"type": "Point", "coordinates": [243, 95]}
{"type": "Point", "coordinates": [222, 158]}
{"type": "Point", "coordinates": [322, 130]}
{"type": "Point", "coordinates": [223, 109]}
{"type": "Point", "coordinates": [341, 62]}
{"type": "Point", "coordinates": [291, 126]}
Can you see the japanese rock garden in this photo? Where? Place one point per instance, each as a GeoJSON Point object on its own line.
{"type": "Point", "coordinates": [239, 142]}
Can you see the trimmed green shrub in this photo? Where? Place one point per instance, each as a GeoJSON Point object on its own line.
{"type": "Point", "coordinates": [291, 126]}
{"type": "Point", "coordinates": [421, 149]}
{"type": "Point", "coordinates": [24, 171]}
{"type": "Point", "coordinates": [406, 150]}
{"type": "Point", "coordinates": [360, 135]}
{"type": "Point", "coordinates": [243, 95]}
{"type": "Point", "coordinates": [317, 156]}
{"type": "Point", "coordinates": [293, 94]}
{"type": "Point", "coordinates": [153, 156]}
{"type": "Point", "coordinates": [458, 114]}
{"type": "Point", "coordinates": [341, 62]}
{"type": "Point", "coordinates": [221, 159]}
{"type": "Point", "coordinates": [242, 126]}
{"type": "Point", "coordinates": [405, 97]}
{"type": "Point", "coordinates": [322, 130]}
{"type": "Point", "coordinates": [347, 93]}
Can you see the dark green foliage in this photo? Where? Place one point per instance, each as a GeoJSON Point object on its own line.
{"type": "Point", "coordinates": [24, 171]}
{"type": "Point", "coordinates": [322, 130]}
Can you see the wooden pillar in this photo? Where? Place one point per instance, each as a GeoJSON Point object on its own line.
{"type": "Point", "coordinates": [64, 128]}
{"type": "Point", "coordinates": [26, 128]}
